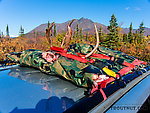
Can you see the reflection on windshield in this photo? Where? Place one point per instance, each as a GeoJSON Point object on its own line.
{"type": "Point", "coordinates": [63, 94]}
{"type": "Point", "coordinates": [53, 84]}
{"type": "Point", "coordinates": [50, 105]}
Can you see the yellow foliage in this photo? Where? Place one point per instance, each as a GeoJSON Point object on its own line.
{"type": "Point", "coordinates": [142, 50]}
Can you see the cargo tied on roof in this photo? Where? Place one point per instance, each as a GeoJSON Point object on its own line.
{"type": "Point", "coordinates": [92, 67]}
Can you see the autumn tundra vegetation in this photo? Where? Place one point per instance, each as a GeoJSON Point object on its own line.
{"type": "Point", "coordinates": [133, 44]}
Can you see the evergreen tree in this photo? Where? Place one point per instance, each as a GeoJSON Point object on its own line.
{"type": "Point", "coordinates": [100, 35]}
{"type": "Point", "coordinates": [21, 32]}
{"type": "Point", "coordinates": [112, 39]}
{"type": "Point", "coordinates": [37, 34]}
{"type": "Point", "coordinates": [86, 38]}
{"type": "Point", "coordinates": [141, 32]}
{"type": "Point", "coordinates": [130, 34]}
{"type": "Point", "coordinates": [34, 33]}
{"type": "Point", "coordinates": [125, 38]}
{"type": "Point", "coordinates": [74, 35]}
{"type": "Point", "coordinates": [0, 34]}
{"type": "Point", "coordinates": [48, 24]}
{"type": "Point", "coordinates": [36, 38]}
{"type": "Point", "coordinates": [81, 35]}
{"type": "Point", "coordinates": [141, 28]}
{"type": "Point", "coordinates": [7, 31]}
{"type": "Point", "coordinates": [77, 31]}
{"type": "Point", "coordinates": [136, 37]}
{"type": "Point", "coordinates": [55, 30]}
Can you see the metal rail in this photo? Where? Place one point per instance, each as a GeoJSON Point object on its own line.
{"type": "Point", "coordinates": [7, 67]}
{"type": "Point", "coordinates": [104, 106]}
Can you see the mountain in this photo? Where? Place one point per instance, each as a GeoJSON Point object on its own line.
{"type": "Point", "coordinates": [87, 25]}
{"type": "Point", "coordinates": [147, 31]}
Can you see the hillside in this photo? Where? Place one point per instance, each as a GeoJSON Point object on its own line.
{"type": "Point", "coordinates": [87, 25]}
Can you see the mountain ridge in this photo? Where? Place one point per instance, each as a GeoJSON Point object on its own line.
{"type": "Point", "coordinates": [86, 24]}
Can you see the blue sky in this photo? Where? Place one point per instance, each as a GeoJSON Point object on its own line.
{"type": "Point", "coordinates": [31, 13]}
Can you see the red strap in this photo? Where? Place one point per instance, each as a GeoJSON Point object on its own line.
{"type": "Point", "coordinates": [138, 62]}
{"type": "Point", "coordinates": [80, 59]}
{"type": "Point", "coordinates": [94, 89]}
{"type": "Point", "coordinates": [101, 56]}
{"type": "Point", "coordinates": [101, 91]}
{"type": "Point", "coordinates": [101, 85]}
{"type": "Point", "coordinates": [128, 64]}
{"type": "Point", "coordinates": [145, 63]}
{"type": "Point", "coordinates": [71, 56]}
{"type": "Point", "coordinates": [142, 62]}
{"type": "Point", "coordinates": [132, 65]}
{"type": "Point", "coordinates": [105, 82]}
{"type": "Point", "coordinates": [125, 70]}
{"type": "Point", "coordinates": [103, 94]}
{"type": "Point", "coordinates": [54, 48]}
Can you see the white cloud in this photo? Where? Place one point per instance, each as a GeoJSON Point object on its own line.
{"type": "Point", "coordinates": [127, 8]}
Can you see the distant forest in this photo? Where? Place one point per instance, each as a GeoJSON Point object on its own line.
{"type": "Point", "coordinates": [133, 44]}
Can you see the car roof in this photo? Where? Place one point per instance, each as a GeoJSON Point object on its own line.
{"type": "Point", "coordinates": [25, 89]}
